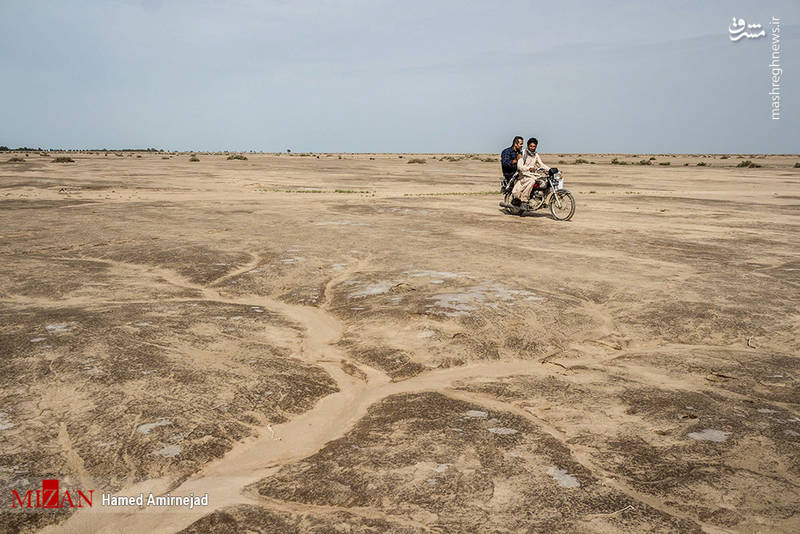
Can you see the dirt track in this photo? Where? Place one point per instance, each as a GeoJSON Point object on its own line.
{"type": "Point", "coordinates": [324, 344]}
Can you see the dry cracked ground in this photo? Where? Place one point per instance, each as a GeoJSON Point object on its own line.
{"type": "Point", "coordinates": [352, 343]}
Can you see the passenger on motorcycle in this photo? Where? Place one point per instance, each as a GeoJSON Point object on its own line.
{"type": "Point", "coordinates": [531, 172]}
{"type": "Point", "coordinates": [509, 158]}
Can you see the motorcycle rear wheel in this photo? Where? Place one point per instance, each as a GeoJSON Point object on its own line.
{"type": "Point", "coordinates": [562, 206]}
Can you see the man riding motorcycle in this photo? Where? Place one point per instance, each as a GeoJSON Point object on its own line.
{"type": "Point", "coordinates": [531, 173]}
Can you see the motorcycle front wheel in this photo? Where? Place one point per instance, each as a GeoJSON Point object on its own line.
{"type": "Point", "coordinates": [562, 205]}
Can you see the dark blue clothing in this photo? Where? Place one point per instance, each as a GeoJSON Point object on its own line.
{"type": "Point", "coordinates": [506, 162]}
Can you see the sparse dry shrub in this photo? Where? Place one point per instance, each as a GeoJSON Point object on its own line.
{"type": "Point", "coordinates": [748, 164]}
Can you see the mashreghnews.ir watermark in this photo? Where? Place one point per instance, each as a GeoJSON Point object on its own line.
{"type": "Point", "coordinates": [776, 71]}
{"type": "Point", "coordinates": [739, 30]}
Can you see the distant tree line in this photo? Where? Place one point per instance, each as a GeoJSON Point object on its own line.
{"type": "Point", "coordinates": [20, 149]}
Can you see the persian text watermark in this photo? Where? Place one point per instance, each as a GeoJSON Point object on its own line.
{"type": "Point", "coordinates": [739, 29]}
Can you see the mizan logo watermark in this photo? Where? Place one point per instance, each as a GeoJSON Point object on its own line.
{"type": "Point", "coordinates": [739, 29]}
{"type": "Point", "coordinates": [51, 497]}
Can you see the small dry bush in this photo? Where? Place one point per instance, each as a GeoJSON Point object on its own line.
{"type": "Point", "coordinates": [748, 164]}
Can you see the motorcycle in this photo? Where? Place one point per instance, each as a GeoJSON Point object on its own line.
{"type": "Point", "coordinates": [552, 195]}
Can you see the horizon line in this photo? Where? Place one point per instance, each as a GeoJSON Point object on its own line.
{"type": "Point", "coordinates": [309, 152]}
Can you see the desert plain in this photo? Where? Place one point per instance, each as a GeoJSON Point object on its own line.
{"type": "Point", "coordinates": [354, 343]}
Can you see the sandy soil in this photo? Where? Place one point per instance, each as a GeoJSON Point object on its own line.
{"type": "Point", "coordinates": [354, 343]}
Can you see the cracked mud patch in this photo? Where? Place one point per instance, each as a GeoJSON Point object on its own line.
{"type": "Point", "coordinates": [41, 278]}
{"type": "Point", "coordinates": [407, 322]}
{"type": "Point", "coordinates": [245, 518]}
{"type": "Point", "coordinates": [759, 374]}
{"type": "Point", "coordinates": [277, 274]}
{"type": "Point", "coordinates": [394, 362]}
{"type": "Point", "coordinates": [726, 461]}
{"type": "Point", "coordinates": [438, 294]}
{"type": "Point", "coordinates": [698, 322]}
{"type": "Point", "coordinates": [199, 264]}
{"type": "Point", "coordinates": [428, 456]}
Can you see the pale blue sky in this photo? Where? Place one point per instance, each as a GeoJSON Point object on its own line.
{"type": "Point", "coordinates": [364, 76]}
